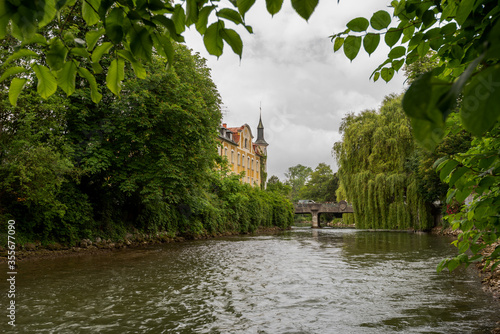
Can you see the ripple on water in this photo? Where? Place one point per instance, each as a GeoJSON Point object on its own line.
{"type": "Point", "coordinates": [304, 281]}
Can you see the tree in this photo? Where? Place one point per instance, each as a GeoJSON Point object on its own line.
{"type": "Point", "coordinates": [297, 177]}
{"type": "Point", "coordinates": [321, 186]}
{"type": "Point", "coordinates": [274, 184]}
{"type": "Point", "coordinates": [372, 159]}
{"type": "Point", "coordinates": [464, 36]}
{"type": "Point", "coordinates": [130, 31]}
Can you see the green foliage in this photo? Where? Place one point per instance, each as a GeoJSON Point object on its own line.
{"type": "Point", "coordinates": [143, 162]}
{"type": "Point", "coordinates": [297, 177]}
{"type": "Point", "coordinates": [372, 159]}
{"type": "Point", "coordinates": [464, 38]}
{"type": "Point", "coordinates": [321, 185]}
{"type": "Point", "coordinates": [83, 30]}
{"type": "Point", "coordinates": [474, 178]}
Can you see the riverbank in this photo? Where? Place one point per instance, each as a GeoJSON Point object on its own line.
{"type": "Point", "coordinates": [35, 251]}
{"type": "Point", "coordinates": [490, 279]}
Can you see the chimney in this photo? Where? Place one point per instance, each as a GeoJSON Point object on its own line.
{"type": "Point", "coordinates": [224, 125]}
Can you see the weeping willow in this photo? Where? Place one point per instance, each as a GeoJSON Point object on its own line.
{"type": "Point", "coordinates": [373, 175]}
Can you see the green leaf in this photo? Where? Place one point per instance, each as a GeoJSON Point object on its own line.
{"type": "Point", "coordinates": [380, 20]}
{"type": "Point", "coordinates": [376, 76]}
{"type": "Point", "coordinates": [461, 195]}
{"type": "Point", "coordinates": [428, 18]}
{"type": "Point", "coordinates": [244, 6]}
{"type": "Point", "coordinates": [233, 39]}
{"type": "Point", "coordinates": [408, 33]}
{"type": "Point", "coordinates": [397, 52]}
{"type": "Point", "coordinates": [179, 18]}
{"type": "Point", "coordinates": [427, 133]}
{"type": "Point", "coordinates": [56, 55]}
{"type": "Point", "coordinates": [92, 37]}
{"type": "Point", "coordinates": [213, 40]}
{"type": "Point", "coordinates": [463, 11]}
{"type": "Point", "coordinates": [481, 98]}
{"type": "Point", "coordinates": [397, 64]}
{"type": "Point", "coordinates": [457, 174]}
{"type": "Point", "coordinates": [35, 39]}
{"type": "Point", "coordinates": [90, 11]}
{"type": "Point", "coordinates": [164, 46]}
{"type": "Point", "coordinates": [370, 42]}
{"type": "Point", "coordinates": [94, 92]}
{"type": "Point", "coordinates": [339, 41]}
{"type": "Point", "coordinates": [23, 53]}
{"type": "Point", "coordinates": [47, 83]}
{"type": "Point", "coordinates": [97, 55]}
{"type": "Point", "coordinates": [449, 10]}
{"type": "Point", "coordinates": [387, 73]}
{"type": "Point", "coordinates": [139, 70]}
{"type": "Point", "coordinates": [49, 11]}
{"type": "Point", "coordinates": [82, 52]}
{"type": "Point", "coordinates": [115, 76]}
{"type": "Point", "coordinates": [392, 36]}
{"type": "Point", "coordinates": [141, 44]}
{"type": "Point", "coordinates": [358, 24]}
{"type": "Point", "coordinates": [201, 24]}
{"type": "Point", "coordinates": [16, 86]}
{"type": "Point", "coordinates": [352, 44]}
{"type": "Point", "coordinates": [66, 77]}
{"type": "Point", "coordinates": [11, 71]}
{"type": "Point", "coordinates": [464, 246]}
{"type": "Point", "coordinates": [304, 8]}
{"type": "Point", "coordinates": [421, 99]}
{"type": "Point", "coordinates": [191, 12]}
{"type": "Point", "coordinates": [273, 6]}
{"type": "Point", "coordinates": [5, 12]}
{"type": "Point", "coordinates": [230, 15]}
{"type": "Point", "coordinates": [448, 167]}
{"type": "Point", "coordinates": [453, 264]}
{"type": "Point", "coordinates": [449, 29]}
{"type": "Point", "coordinates": [442, 265]}
{"type": "Point", "coordinates": [171, 27]}
{"type": "Point", "coordinates": [423, 48]}
{"type": "Point", "coordinates": [114, 25]}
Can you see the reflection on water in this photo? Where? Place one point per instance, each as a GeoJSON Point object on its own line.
{"type": "Point", "coordinates": [302, 281]}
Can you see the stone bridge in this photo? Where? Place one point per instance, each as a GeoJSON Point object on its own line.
{"type": "Point", "coordinates": [315, 209]}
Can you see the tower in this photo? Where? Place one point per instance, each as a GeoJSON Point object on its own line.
{"type": "Point", "coordinates": [261, 144]}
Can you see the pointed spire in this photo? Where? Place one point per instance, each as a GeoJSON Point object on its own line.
{"type": "Point", "coordinates": [260, 131]}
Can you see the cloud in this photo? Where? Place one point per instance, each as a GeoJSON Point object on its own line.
{"type": "Point", "coordinates": [305, 88]}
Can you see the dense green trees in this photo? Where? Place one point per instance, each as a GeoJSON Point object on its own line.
{"type": "Point", "coordinates": [373, 171]}
{"type": "Point", "coordinates": [71, 169]}
{"type": "Point", "coordinates": [296, 178]}
{"type": "Point", "coordinates": [321, 185]}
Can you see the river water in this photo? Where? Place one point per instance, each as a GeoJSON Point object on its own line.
{"type": "Point", "coordinates": [300, 281]}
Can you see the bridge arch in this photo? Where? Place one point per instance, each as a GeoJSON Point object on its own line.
{"type": "Point", "coordinates": [315, 209]}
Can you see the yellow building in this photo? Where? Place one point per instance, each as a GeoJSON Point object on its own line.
{"type": "Point", "coordinates": [243, 154]}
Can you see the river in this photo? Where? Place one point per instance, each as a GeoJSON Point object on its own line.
{"type": "Point", "coordinates": [300, 281]}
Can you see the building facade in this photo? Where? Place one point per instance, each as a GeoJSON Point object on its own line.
{"type": "Point", "coordinates": [243, 154]}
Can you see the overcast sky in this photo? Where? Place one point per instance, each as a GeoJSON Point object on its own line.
{"type": "Point", "coordinates": [305, 89]}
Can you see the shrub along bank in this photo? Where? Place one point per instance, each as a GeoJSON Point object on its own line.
{"type": "Point", "coordinates": [143, 163]}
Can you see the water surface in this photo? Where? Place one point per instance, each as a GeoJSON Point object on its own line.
{"type": "Point", "coordinates": [301, 281]}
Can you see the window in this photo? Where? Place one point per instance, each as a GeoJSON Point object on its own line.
{"type": "Point", "coordinates": [232, 157]}
{"type": "Point", "coordinates": [248, 162]}
{"type": "Point", "coordinates": [252, 164]}
{"type": "Point", "coordinates": [225, 151]}
{"type": "Point", "coordinates": [243, 161]}
{"type": "Point", "coordinates": [246, 143]}
{"type": "Point", "coordinates": [239, 159]}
